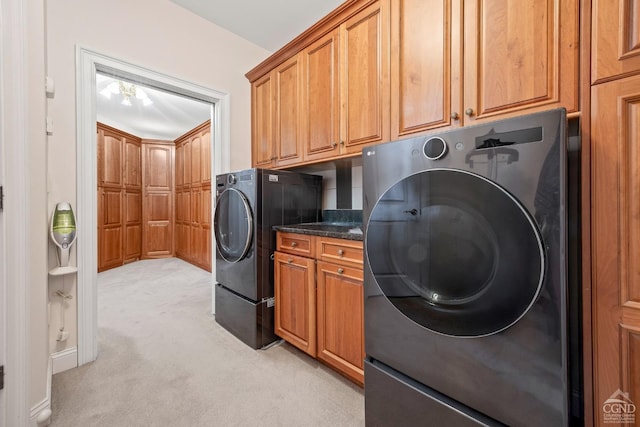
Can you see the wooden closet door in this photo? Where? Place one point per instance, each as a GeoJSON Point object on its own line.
{"type": "Point", "coordinates": [111, 158]}
{"type": "Point", "coordinates": [615, 153]}
{"type": "Point", "coordinates": [158, 173]}
{"type": "Point", "coordinates": [110, 238]}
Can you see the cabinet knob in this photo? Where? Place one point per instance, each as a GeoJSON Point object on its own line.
{"type": "Point", "coordinates": [454, 116]}
{"type": "Point", "coordinates": [340, 252]}
{"type": "Point", "coordinates": [289, 261]}
{"type": "Point", "coordinates": [294, 244]}
{"type": "Point", "coordinates": [469, 112]}
{"type": "Point", "coordinates": [340, 271]}
{"type": "Point", "coordinates": [341, 142]}
{"type": "Point", "coordinates": [334, 144]}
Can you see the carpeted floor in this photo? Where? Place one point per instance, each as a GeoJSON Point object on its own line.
{"type": "Point", "coordinates": [164, 361]}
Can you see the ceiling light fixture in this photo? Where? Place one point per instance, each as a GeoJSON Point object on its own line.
{"type": "Point", "coordinates": [127, 90]}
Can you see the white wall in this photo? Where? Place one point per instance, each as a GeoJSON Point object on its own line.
{"type": "Point", "coordinates": [154, 34]}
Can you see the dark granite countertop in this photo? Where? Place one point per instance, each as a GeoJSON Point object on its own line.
{"type": "Point", "coordinates": [339, 230]}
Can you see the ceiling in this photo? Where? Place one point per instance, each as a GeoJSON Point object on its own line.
{"type": "Point", "coordinates": [270, 25]}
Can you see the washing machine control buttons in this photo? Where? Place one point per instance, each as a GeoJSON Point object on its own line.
{"type": "Point", "coordinates": [434, 148]}
{"type": "Point", "coordinates": [231, 179]}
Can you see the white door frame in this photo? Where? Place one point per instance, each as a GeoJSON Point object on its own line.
{"type": "Point", "coordinates": [87, 63]}
{"type": "Point", "coordinates": [14, 279]}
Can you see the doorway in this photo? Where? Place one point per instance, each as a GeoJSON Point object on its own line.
{"type": "Point", "coordinates": [88, 64]}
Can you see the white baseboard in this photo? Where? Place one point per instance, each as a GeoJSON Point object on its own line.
{"type": "Point", "coordinates": [65, 360]}
{"type": "Point", "coordinates": [41, 413]}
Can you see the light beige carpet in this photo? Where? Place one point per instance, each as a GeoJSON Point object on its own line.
{"type": "Point", "coordinates": [164, 361]}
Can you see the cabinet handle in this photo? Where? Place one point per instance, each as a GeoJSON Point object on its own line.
{"type": "Point", "coordinates": [469, 112]}
{"type": "Point", "coordinates": [340, 271]}
{"type": "Point", "coordinates": [294, 244]}
{"type": "Point", "coordinates": [289, 261]}
{"type": "Point", "coordinates": [340, 252]}
{"type": "Point", "coordinates": [454, 116]}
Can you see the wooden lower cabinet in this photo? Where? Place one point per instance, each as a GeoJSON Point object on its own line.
{"type": "Point", "coordinates": [318, 304]}
{"type": "Point", "coordinates": [295, 295]}
{"type": "Point", "coordinates": [340, 318]}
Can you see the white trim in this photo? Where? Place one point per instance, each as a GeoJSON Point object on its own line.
{"type": "Point", "coordinates": [87, 63]}
{"type": "Point", "coordinates": [14, 128]}
{"type": "Point", "coordinates": [43, 409]}
{"type": "Point", "coordinates": [64, 360]}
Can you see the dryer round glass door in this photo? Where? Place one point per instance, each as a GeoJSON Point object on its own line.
{"type": "Point", "coordinates": [233, 224]}
{"type": "Point", "coordinates": [455, 252]}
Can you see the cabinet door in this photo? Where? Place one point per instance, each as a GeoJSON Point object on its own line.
{"type": "Point", "coordinates": [365, 78]}
{"type": "Point", "coordinates": [112, 158]}
{"type": "Point", "coordinates": [425, 65]}
{"type": "Point", "coordinates": [288, 117]}
{"type": "Point", "coordinates": [132, 225]}
{"type": "Point", "coordinates": [110, 244]}
{"type": "Point", "coordinates": [262, 122]}
{"type": "Point", "coordinates": [179, 165]}
{"type": "Point", "coordinates": [186, 158]}
{"type": "Point", "coordinates": [205, 157]}
{"type": "Point", "coordinates": [132, 169]}
{"type": "Point", "coordinates": [519, 55]}
{"type": "Point", "coordinates": [341, 319]}
{"type": "Point", "coordinates": [295, 301]}
{"type": "Point", "coordinates": [183, 224]}
{"type": "Point", "coordinates": [205, 223]}
{"type": "Point", "coordinates": [615, 47]}
{"type": "Point", "coordinates": [321, 98]}
{"type": "Point", "coordinates": [157, 209]}
{"type": "Point", "coordinates": [158, 225]}
{"type": "Point", "coordinates": [196, 160]}
{"type": "Point", "coordinates": [615, 214]}
{"type": "Point", "coordinates": [158, 167]}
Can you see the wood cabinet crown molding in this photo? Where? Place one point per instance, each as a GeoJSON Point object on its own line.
{"type": "Point", "coordinates": [319, 29]}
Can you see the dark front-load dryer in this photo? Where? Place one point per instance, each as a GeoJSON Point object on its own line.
{"type": "Point", "coordinates": [248, 204]}
{"type": "Point", "coordinates": [465, 276]}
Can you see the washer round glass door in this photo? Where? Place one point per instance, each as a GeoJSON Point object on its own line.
{"type": "Point", "coordinates": [455, 252]}
{"type": "Point", "coordinates": [233, 223]}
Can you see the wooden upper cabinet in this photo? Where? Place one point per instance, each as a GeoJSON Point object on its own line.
{"type": "Point", "coordinates": [262, 122]}
{"type": "Point", "coordinates": [321, 98]}
{"type": "Point", "coordinates": [425, 65]}
{"type": "Point", "coordinates": [615, 39]}
{"type": "Point", "coordinates": [365, 78]}
{"type": "Point", "coordinates": [288, 118]}
{"type": "Point", "coordinates": [519, 57]}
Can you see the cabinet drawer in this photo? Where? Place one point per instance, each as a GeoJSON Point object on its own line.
{"type": "Point", "coordinates": [297, 244]}
{"type": "Point", "coordinates": [341, 251]}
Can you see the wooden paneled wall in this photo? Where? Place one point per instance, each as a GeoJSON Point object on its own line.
{"type": "Point", "coordinates": [154, 197]}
